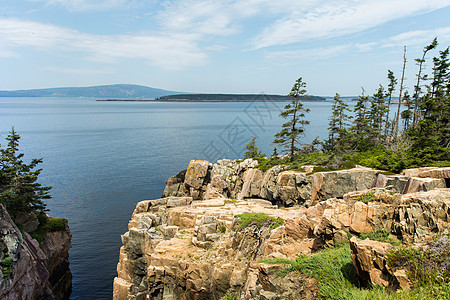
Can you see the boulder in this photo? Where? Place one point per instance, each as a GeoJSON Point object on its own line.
{"type": "Point", "coordinates": [418, 184]}
{"type": "Point", "coordinates": [222, 181]}
{"type": "Point", "coordinates": [369, 260]}
{"type": "Point", "coordinates": [293, 188]}
{"type": "Point", "coordinates": [196, 173]}
{"type": "Point", "coordinates": [436, 173]}
{"type": "Point", "coordinates": [252, 183]}
{"type": "Point", "coordinates": [174, 185]}
{"type": "Point", "coordinates": [269, 182]}
{"type": "Point", "coordinates": [362, 218]}
{"type": "Point", "coordinates": [335, 184]}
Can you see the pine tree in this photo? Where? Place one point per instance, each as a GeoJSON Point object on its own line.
{"type": "Point", "coordinates": [19, 191]}
{"type": "Point", "coordinates": [252, 150]}
{"type": "Point", "coordinates": [339, 121]}
{"type": "Point", "coordinates": [377, 113]}
{"type": "Point", "coordinates": [391, 89]}
{"type": "Point", "coordinates": [417, 87]}
{"type": "Point", "coordinates": [360, 126]}
{"type": "Point", "coordinates": [288, 137]}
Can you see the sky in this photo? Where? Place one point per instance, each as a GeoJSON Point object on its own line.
{"type": "Point", "coordinates": [209, 46]}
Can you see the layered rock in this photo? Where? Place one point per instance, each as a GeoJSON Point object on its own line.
{"type": "Point", "coordinates": [37, 271]}
{"type": "Point", "coordinates": [178, 248]}
{"type": "Point", "coordinates": [192, 246]}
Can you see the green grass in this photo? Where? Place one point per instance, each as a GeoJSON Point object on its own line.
{"type": "Point", "coordinates": [47, 224]}
{"type": "Point", "coordinates": [379, 235]}
{"type": "Point", "coordinates": [366, 197]}
{"type": "Point", "coordinates": [426, 266]}
{"type": "Point", "coordinates": [332, 267]}
{"type": "Point", "coordinates": [336, 277]}
{"type": "Point", "coordinates": [260, 219]}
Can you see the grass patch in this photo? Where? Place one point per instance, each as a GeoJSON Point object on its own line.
{"type": "Point", "coordinates": [425, 267]}
{"type": "Point", "coordinates": [230, 201]}
{"type": "Point", "coordinates": [260, 219]}
{"type": "Point", "coordinates": [47, 224]}
{"type": "Point", "coordinates": [366, 197]}
{"type": "Point", "coordinates": [332, 267]}
{"type": "Point", "coordinates": [379, 235]}
{"type": "Point", "coordinates": [222, 228]}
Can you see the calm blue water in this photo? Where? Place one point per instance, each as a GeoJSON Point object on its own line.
{"type": "Point", "coordinates": [103, 157]}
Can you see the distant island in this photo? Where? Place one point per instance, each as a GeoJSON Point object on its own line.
{"type": "Point", "coordinates": [232, 98]}
{"type": "Point", "coordinates": [119, 91]}
{"type": "Point", "coordinates": [132, 92]}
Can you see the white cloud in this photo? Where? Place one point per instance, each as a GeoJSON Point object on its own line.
{"type": "Point", "coordinates": [419, 37]}
{"type": "Point", "coordinates": [336, 18]}
{"type": "Point", "coordinates": [87, 5]}
{"type": "Point", "coordinates": [166, 51]}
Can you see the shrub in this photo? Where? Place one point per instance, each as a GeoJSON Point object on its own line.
{"type": "Point", "coordinates": [260, 219]}
{"type": "Point", "coordinates": [48, 224]}
{"type": "Point", "coordinates": [222, 228]}
{"type": "Point", "coordinates": [56, 224]}
{"type": "Point", "coordinates": [379, 235]}
{"type": "Point", "coordinates": [425, 267]}
{"type": "Point", "coordinates": [366, 197]}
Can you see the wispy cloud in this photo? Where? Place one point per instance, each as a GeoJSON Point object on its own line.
{"type": "Point", "coordinates": [336, 18]}
{"type": "Point", "coordinates": [419, 37]}
{"type": "Point", "coordinates": [87, 5]}
{"type": "Point", "coordinates": [166, 51]}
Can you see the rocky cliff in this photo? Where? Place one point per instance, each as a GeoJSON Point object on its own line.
{"type": "Point", "coordinates": [31, 270]}
{"type": "Point", "coordinates": [206, 237]}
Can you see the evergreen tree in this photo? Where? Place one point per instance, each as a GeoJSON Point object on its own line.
{"type": "Point", "coordinates": [252, 150]}
{"type": "Point", "coordinates": [407, 114]}
{"type": "Point", "coordinates": [288, 137]}
{"type": "Point", "coordinates": [377, 113]}
{"type": "Point", "coordinates": [360, 127]}
{"type": "Point", "coordinates": [417, 87]}
{"type": "Point", "coordinates": [19, 191]}
{"type": "Point", "coordinates": [339, 121]}
{"type": "Point", "coordinates": [431, 135]}
{"type": "Point", "coordinates": [391, 89]}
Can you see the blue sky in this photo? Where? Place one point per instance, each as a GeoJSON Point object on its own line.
{"type": "Point", "coordinates": [241, 46]}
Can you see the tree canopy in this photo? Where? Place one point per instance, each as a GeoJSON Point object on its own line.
{"type": "Point", "coordinates": [20, 192]}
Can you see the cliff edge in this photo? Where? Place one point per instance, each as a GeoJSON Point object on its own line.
{"type": "Point", "coordinates": [33, 270]}
{"type": "Point", "coordinates": [210, 235]}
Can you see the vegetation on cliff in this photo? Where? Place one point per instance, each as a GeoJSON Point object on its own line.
{"type": "Point", "coordinates": [337, 279]}
{"type": "Point", "coordinates": [21, 194]}
{"type": "Point", "coordinates": [417, 136]}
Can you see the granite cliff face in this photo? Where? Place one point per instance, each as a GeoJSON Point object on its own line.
{"type": "Point", "coordinates": [31, 270]}
{"type": "Point", "coordinates": [190, 244]}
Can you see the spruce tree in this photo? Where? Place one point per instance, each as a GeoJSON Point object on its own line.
{"type": "Point", "coordinates": [19, 191]}
{"type": "Point", "coordinates": [377, 113]}
{"type": "Point", "coordinates": [339, 121]}
{"type": "Point", "coordinates": [391, 89]}
{"type": "Point", "coordinates": [417, 87]}
{"type": "Point", "coordinates": [252, 150]}
{"type": "Point", "coordinates": [360, 128]}
{"type": "Point", "coordinates": [289, 136]}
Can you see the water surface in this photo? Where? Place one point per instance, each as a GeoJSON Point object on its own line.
{"type": "Point", "coordinates": [103, 157]}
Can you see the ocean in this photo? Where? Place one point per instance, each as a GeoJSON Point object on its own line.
{"type": "Point", "coordinates": [101, 158]}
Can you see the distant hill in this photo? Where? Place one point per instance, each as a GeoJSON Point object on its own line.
{"type": "Point", "coordinates": [231, 98]}
{"type": "Point", "coordinates": [117, 91]}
